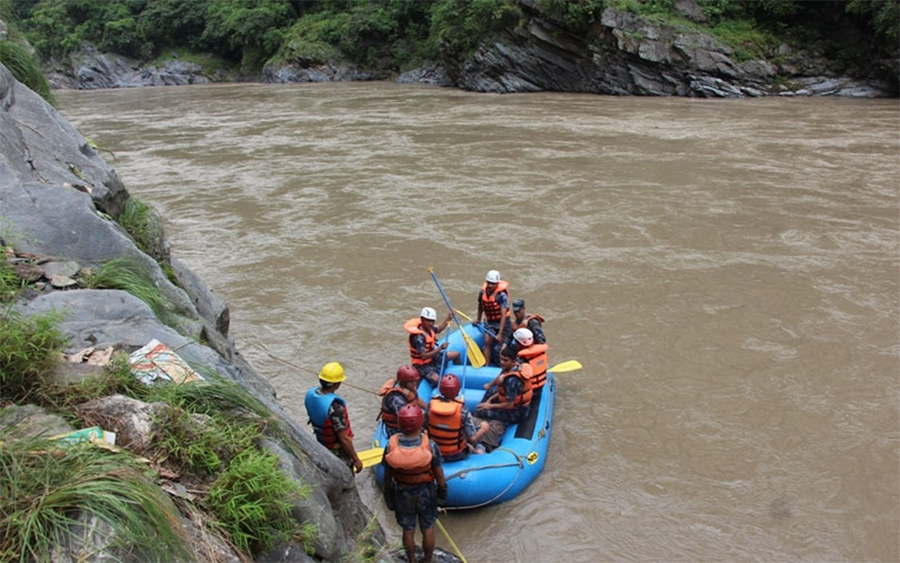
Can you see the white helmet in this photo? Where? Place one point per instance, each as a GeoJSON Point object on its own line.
{"type": "Point", "coordinates": [524, 337]}
{"type": "Point", "coordinates": [493, 276]}
{"type": "Point", "coordinates": [428, 313]}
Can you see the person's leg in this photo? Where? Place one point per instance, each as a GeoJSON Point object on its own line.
{"type": "Point", "coordinates": [409, 544]}
{"type": "Point", "coordinates": [428, 543]}
{"type": "Point", "coordinates": [488, 347]}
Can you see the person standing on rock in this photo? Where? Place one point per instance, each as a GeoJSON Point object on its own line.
{"type": "Point", "coordinates": [329, 417]}
{"type": "Point", "coordinates": [414, 483]}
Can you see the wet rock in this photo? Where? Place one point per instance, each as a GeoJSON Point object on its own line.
{"type": "Point", "coordinates": [429, 75]}
{"type": "Point", "coordinates": [136, 424]}
{"type": "Point", "coordinates": [32, 421]}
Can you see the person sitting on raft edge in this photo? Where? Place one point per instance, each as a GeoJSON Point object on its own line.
{"type": "Point", "coordinates": [424, 353]}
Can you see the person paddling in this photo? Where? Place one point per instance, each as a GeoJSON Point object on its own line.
{"type": "Point", "coordinates": [424, 353]}
{"type": "Point", "coordinates": [507, 399]}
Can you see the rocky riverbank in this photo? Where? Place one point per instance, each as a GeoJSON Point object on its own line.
{"type": "Point", "coordinates": [623, 54]}
{"type": "Point", "coordinates": [59, 202]}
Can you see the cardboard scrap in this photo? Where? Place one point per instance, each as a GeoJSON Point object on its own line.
{"type": "Point", "coordinates": [91, 356]}
{"type": "Point", "coordinates": [157, 362]}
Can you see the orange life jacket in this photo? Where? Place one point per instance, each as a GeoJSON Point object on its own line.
{"type": "Point", "coordinates": [536, 356]}
{"type": "Point", "coordinates": [445, 425]}
{"type": "Point", "coordinates": [388, 415]}
{"type": "Point", "coordinates": [411, 466]}
{"type": "Point", "coordinates": [412, 327]}
{"type": "Point", "coordinates": [524, 373]}
{"type": "Point", "coordinates": [524, 324]}
{"type": "Point", "coordinates": [489, 303]}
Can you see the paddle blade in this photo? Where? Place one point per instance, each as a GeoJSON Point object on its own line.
{"type": "Point", "coordinates": [463, 315]}
{"type": "Point", "coordinates": [476, 357]}
{"type": "Point", "coordinates": [571, 365]}
{"type": "Point", "coordinates": [371, 457]}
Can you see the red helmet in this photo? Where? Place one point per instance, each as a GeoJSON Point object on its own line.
{"type": "Point", "coordinates": [449, 386]}
{"type": "Point", "coordinates": [407, 373]}
{"type": "Point", "coordinates": [410, 418]}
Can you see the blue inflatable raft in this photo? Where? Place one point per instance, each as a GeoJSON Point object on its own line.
{"type": "Point", "coordinates": [483, 479]}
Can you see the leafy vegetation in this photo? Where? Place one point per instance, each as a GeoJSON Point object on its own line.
{"type": "Point", "coordinates": [10, 283]}
{"type": "Point", "coordinates": [29, 348]}
{"type": "Point", "coordinates": [252, 500]}
{"type": "Point", "coordinates": [397, 34]}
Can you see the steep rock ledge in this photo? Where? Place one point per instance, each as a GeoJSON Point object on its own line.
{"type": "Point", "coordinates": [56, 199]}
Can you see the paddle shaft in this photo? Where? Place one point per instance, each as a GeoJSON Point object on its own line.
{"type": "Point", "coordinates": [446, 299]}
{"type": "Point", "coordinates": [475, 355]}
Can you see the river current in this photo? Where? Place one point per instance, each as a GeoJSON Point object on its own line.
{"type": "Point", "coordinates": [727, 272]}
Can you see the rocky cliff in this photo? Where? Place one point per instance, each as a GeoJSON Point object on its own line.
{"type": "Point", "coordinates": [626, 54]}
{"type": "Point", "coordinates": [58, 202]}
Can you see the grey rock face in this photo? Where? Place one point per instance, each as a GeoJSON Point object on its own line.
{"type": "Point", "coordinates": [56, 195]}
{"type": "Point", "coordinates": [630, 55]}
{"type": "Point", "coordinates": [93, 70]}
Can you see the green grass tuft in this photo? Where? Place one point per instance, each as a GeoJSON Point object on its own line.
{"type": "Point", "coordinates": [43, 488]}
{"type": "Point", "coordinates": [128, 275]}
{"type": "Point", "coordinates": [25, 69]}
{"type": "Point", "coordinates": [143, 224]}
{"type": "Point", "coordinates": [29, 348]}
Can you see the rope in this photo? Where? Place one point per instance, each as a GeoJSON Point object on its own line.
{"type": "Point", "coordinates": [449, 539]}
{"type": "Point", "coordinates": [307, 370]}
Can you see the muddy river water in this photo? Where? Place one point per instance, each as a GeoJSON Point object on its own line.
{"type": "Point", "coordinates": [727, 272]}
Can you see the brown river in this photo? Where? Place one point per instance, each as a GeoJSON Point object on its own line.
{"type": "Point", "coordinates": [727, 272]}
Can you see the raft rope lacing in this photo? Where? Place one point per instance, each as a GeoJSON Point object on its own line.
{"type": "Point", "coordinates": [540, 434]}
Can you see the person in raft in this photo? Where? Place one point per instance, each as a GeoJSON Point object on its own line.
{"type": "Point", "coordinates": [424, 353]}
{"type": "Point", "coordinates": [396, 394]}
{"type": "Point", "coordinates": [493, 305]}
{"type": "Point", "coordinates": [521, 319]}
{"type": "Point", "coordinates": [507, 399]}
{"type": "Point", "coordinates": [535, 355]}
{"type": "Point", "coordinates": [329, 417]}
{"type": "Point", "coordinates": [414, 483]}
{"type": "Point", "coordinates": [450, 423]}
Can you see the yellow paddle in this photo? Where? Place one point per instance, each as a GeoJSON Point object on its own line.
{"type": "Point", "coordinates": [371, 457]}
{"type": "Point", "coordinates": [571, 365]}
{"type": "Point", "coordinates": [476, 357]}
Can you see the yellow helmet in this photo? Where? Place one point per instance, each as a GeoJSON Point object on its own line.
{"type": "Point", "coordinates": [332, 372]}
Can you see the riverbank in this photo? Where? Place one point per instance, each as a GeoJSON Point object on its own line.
{"type": "Point", "coordinates": [624, 53]}
{"type": "Point", "coordinates": [79, 277]}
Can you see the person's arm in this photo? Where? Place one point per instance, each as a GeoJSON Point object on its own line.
{"type": "Point", "coordinates": [347, 445]}
{"type": "Point", "coordinates": [480, 308]}
{"type": "Point", "coordinates": [389, 498]}
{"type": "Point", "coordinates": [504, 313]}
{"type": "Point", "coordinates": [440, 328]}
{"type": "Point", "coordinates": [537, 330]}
